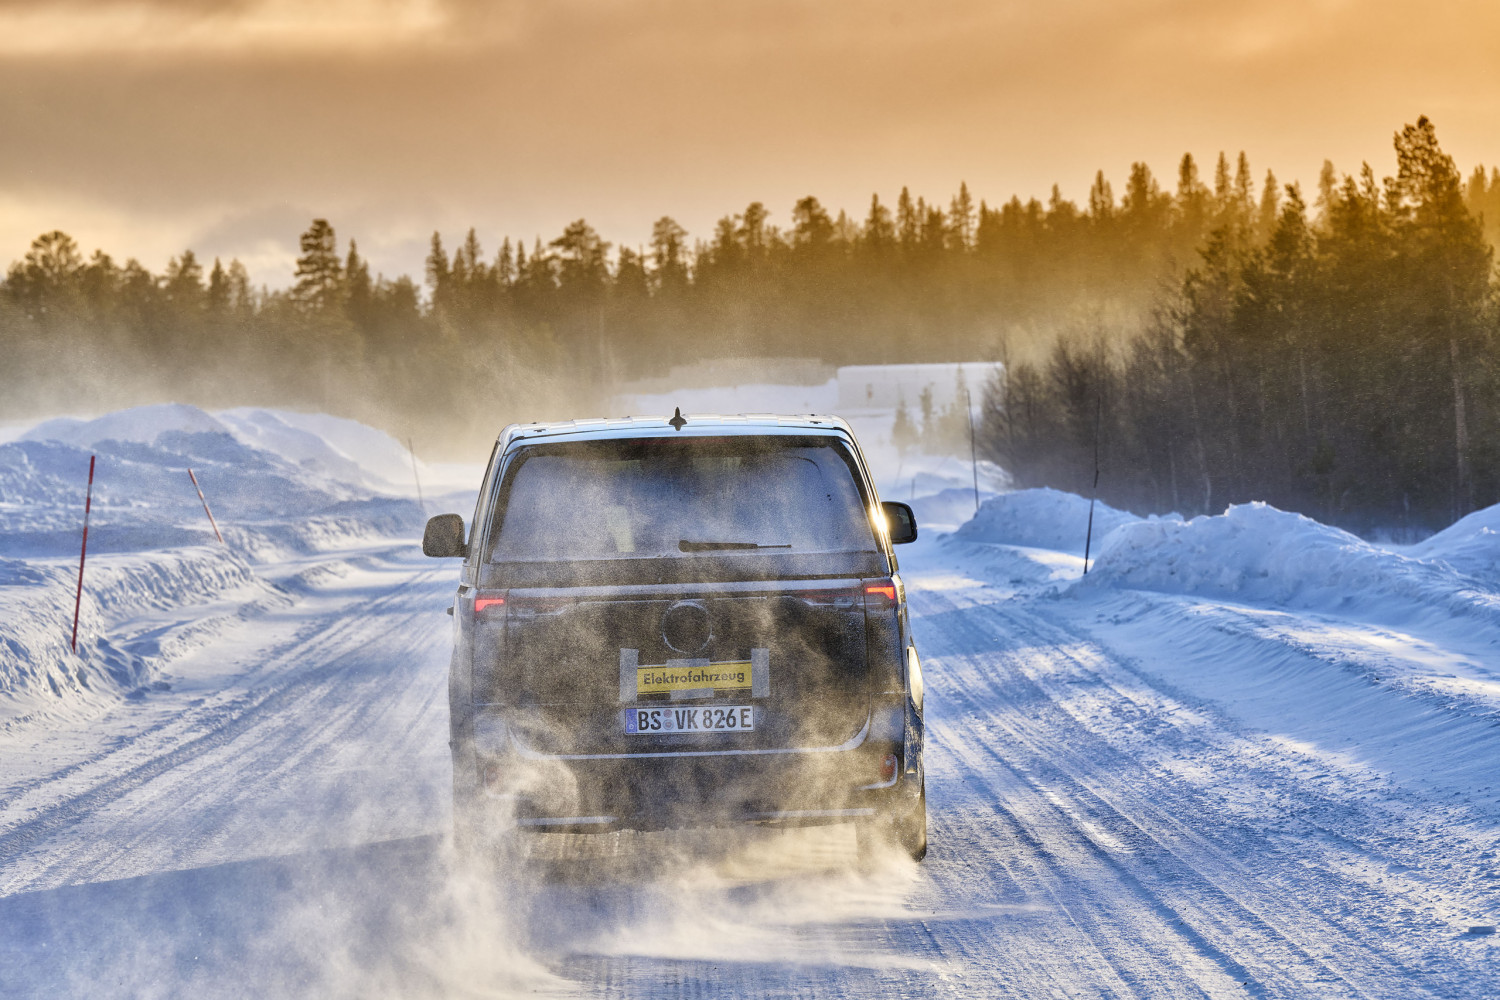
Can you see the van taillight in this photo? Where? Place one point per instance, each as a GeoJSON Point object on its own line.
{"type": "Point", "coordinates": [883, 635]}
{"type": "Point", "coordinates": [488, 625]}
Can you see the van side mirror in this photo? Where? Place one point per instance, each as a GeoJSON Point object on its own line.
{"type": "Point", "coordinates": [901, 521]}
{"type": "Point", "coordinates": [444, 536]}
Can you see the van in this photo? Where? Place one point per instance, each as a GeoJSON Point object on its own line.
{"type": "Point", "coordinates": [680, 623]}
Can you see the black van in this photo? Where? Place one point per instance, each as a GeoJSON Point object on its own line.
{"type": "Point", "coordinates": [686, 622]}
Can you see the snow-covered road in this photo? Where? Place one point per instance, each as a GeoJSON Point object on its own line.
{"type": "Point", "coordinates": [1248, 756]}
{"type": "Point", "coordinates": [1103, 824]}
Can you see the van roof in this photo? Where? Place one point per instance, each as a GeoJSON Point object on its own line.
{"type": "Point", "coordinates": [696, 425]}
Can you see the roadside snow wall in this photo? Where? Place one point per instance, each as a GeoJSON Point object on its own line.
{"type": "Point", "coordinates": [1256, 553]}
{"type": "Point", "coordinates": [1043, 519]}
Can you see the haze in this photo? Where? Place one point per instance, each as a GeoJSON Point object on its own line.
{"type": "Point", "coordinates": [146, 128]}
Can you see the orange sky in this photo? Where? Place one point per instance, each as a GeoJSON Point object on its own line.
{"type": "Point", "coordinates": [225, 125]}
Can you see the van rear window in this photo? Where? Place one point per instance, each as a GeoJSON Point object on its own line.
{"type": "Point", "coordinates": [687, 498]}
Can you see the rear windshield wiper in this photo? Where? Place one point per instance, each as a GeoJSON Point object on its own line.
{"type": "Point", "coordinates": [686, 545]}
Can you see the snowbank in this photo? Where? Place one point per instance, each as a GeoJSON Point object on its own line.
{"type": "Point", "coordinates": [144, 499]}
{"type": "Point", "coordinates": [1046, 519]}
{"type": "Point", "coordinates": [945, 509]}
{"type": "Point", "coordinates": [1470, 545]}
{"type": "Point", "coordinates": [332, 447]}
{"type": "Point", "coordinates": [139, 424]}
{"type": "Point", "coordinates": [39, 670]}
{"type": "Point", "coordinates": [278, 490]}
{"type": "Point", "coordinates": [1258, 554]}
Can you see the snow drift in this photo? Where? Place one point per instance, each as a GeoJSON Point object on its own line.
{"type": "Point", "coordinates": [1255, 553]}
{"type": "Point", "coordinates": [279, 489]}
{"type": "Point", "coordinates": [1470, 545]}
{"type": "Point", "coordinates": [1042, 518]}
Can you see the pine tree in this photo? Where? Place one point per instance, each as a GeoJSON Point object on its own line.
{"type": "Point", "coordinates": [183, 281]}
{"type": "Point", "coordinates": [1101, 200]}
{"type": "Point", "coordinates": [903, 432]}
{"type": "Point", "coordinates": [1269, 210]}
{"type": "Point", "coordinates": [961, 218]}
{"type": "Point", "coordinates": [669, 254]}
{"type": "Point", "coordinates": [218, 290]}
{"type": "Point", "coordinates": [505, 265]}
{"type": "Point", "coordinates": [319, 273]}
{"type": "Point", "coordinates": [1448, 272]}
{"type": "Point", "coordinates": [879, 229]}
{"type": "Point", "coordinates": [439, 274]}
{"type": "Point", "coordinates": [812, 227]}
{"type": "Point", "coordinates": [754, 234]}
{"type": "Point", "coordinates": [1327, 186]}
{"type": "Point", "coordinates": [1244, 195]}
{"type": "Point", "coordinates": [359, 300]}
{"type": "Point", "coordinates": [584, 259]}
{"type": "Point", "coordinates": [1192, 203]}
{"type": "Point", "coordinates": [1223, 192]}
{"type": "Point", "coordinates": [45, 282]}
{"type": "Point", "coordinates": [907, 221]}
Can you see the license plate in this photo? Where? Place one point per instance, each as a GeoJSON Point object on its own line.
{"type": "Point", "coordinates": [697, 719]}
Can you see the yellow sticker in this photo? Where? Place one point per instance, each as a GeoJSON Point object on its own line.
{"type": "Point", "coordinates": [666, 679]}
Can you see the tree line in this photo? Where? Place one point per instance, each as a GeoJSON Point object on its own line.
{"type": "Point", "coordinates": [912, 281]}
{"type": "Point", "coordinates": [1338, 360]}
{"type": "Point", "coordinates": [1175, 306]}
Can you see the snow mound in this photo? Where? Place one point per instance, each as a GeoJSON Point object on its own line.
{"type": "Point", "coordinates": [1470, 545]}
{"type": "Point", "coordinates": [1258, 554]}
{"type": "Point", "coordinates": [333, 447]}
{"type": "Point", "coordinates": [269, 431]}
{"type": "Point", "coordinates": [1046, 519]}
{"type": "Point", "coordinates": [37, 666]}
{"type": "Point", "coordinates": [331, 444]}
{"type": "Point", "coordinates": [139, 424]}
{"type": "Point", "coordinates": [278, 491]}
{"type": "Point", "coordinates": [946, 509]}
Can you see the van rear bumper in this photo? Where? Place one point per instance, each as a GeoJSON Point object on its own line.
{"type": "Point", "coordinates": [675, 791]}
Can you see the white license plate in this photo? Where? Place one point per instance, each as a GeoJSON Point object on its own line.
{"type": "Point", "coordinates": [697, 719]}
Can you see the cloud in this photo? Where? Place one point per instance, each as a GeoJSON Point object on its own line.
{"type": "Point", "coordinates": [395, 117]}
{"type": "Point", "coordinates": [121, 27]}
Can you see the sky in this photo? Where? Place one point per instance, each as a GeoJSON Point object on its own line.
{"type": "Point", "coordinates": [226, 126]}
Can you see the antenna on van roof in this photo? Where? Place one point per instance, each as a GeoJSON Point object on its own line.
{"type": "Point", "coordinates": [678, 420]}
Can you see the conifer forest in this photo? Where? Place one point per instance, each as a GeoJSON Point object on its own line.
{"type": "Point", "coordinates": [1214, 338]}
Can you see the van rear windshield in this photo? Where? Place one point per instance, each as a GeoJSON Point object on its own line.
{"type": "Point", "coordinates": [694, 501]}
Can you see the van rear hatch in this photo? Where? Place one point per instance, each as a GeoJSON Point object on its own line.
{"type": "Point", "coordinates": [680, 595]}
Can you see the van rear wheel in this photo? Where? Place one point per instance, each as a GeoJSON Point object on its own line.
{"type": "Point", "coordinates": [911, 829]}
{"type": "Point", "coordinates": [906, 831]}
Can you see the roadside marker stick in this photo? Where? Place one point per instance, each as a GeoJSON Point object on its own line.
{"type": "Point", "coordinates": [83, 552]}
{"type": "Point", "coordinates": [1088, 538]}
{"type": "Point", "coordinates": [973, 452]}
{"type": "Point", "coordinates": [210, 513]}
{"type": "Point", "coordinates": [412, 451]}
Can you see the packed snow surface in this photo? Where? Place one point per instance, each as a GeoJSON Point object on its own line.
{"type": "Point", "coordinates": [1248, 755]}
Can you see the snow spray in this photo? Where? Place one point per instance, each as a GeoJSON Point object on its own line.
{"type": "Point", "coordinates": [83, 552]}
{"type": "Point", "coordinates": [204, 501]}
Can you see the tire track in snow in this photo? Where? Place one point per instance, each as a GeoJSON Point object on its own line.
{"type": "Point", "coordinates": [1083, 791]}
{"type": "Point", "coordinates": [336, 647]}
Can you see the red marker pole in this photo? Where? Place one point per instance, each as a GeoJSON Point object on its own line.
{"type": "Point", "coordinates": [210, 513]}
{"type": "Point", "coordinates": [88, 503]}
